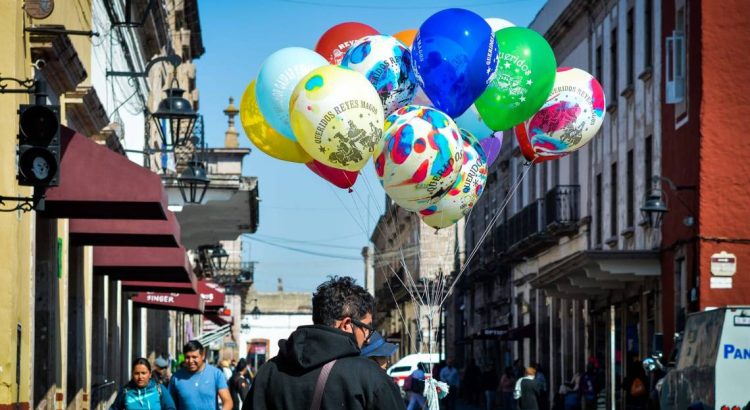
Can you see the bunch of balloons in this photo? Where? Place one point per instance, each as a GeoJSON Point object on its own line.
{"type": "Point", "coordinates": [428, 105]}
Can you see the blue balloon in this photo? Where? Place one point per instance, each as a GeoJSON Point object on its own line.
{"type": "Point", "coordinates": [455, 57]}
{"type": "Point", "coordinates": [278, 76]}
{"type": "Point", "coordinates": [472, 122]}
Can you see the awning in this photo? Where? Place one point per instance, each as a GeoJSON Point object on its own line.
{"type": "Point", "coordinates": [210, 337]}
{"type": "Point", "coordinates": [213, 298]}
{"type": "Point", "coordinates": [214, 317]}
{"type": "Point", "coordinates": [119, 232]}
{"type": "Point", "coordinates": [98, 183]}
{"type": "Point", "coordinates": [520, 333]}
{"type": "Point", "coordinates": [143, 264]}
{"type": "Point", "coordinates": [596, 274]}
{"type": "Point", "coordinates": [139, 286]}
{"type": "Point", "coordinates": [169, 301]}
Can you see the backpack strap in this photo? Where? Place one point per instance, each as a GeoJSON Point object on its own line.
{"type": "Point", "coordinates": [321, 385]}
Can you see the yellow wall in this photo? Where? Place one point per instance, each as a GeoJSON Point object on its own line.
{"type": "Point", "coordinates": [17, 228]}
{"type": "Point", "coordinates": [16, 237]}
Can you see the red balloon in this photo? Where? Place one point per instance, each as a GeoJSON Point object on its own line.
{"type": "Point", "coordinates": [525, 145]}
{"type": "Point", "coordinates": [339, 177]}
{"type": "Point", "coordinates": [334, 43]}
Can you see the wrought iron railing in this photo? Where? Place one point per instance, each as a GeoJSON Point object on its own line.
{"type": "Point", "coordinates": [555, 213]}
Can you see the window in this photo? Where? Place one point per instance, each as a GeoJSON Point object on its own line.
{"type": "Point", "coordinates": [630, 52]}
{"type": "Point", "coordinates": [648, 159]}
{"type": "Point", "coordinates": [680, 62]}
{"type": "Point", "coordinates": [631, 191]}
{"type": "Point", "coordinates": [680, 294]}
{"type": "Point", "coordinates": [574, 168]}
{"type": "Point", "coordinates": [613, 62]}
{"type": "Point", "coordinates": [545, 185]}
{"type": "Point", "coordinates": [598, 209]}
{"type": "Point", "coordinates": [613, 200]}
{"type": "Point", "coordinates": [648, 34]}
{"type": "Point", "coordinates": [598, 62]}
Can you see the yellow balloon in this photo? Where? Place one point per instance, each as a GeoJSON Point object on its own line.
{"type": "Point", "coordinates": [263, 136]}
{"type": "Point", "coordinates": [337, 117]}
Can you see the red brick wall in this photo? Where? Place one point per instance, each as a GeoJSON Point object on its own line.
{"type": "Point", "coordinates": [725, 146]}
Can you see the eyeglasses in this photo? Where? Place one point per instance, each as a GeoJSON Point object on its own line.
{"type": "Point", "coordinates": [369, 328]}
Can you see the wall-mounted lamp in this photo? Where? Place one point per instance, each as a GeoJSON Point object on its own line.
{"type": "Point", "coordinates": [219, 258]}
{"type": "Point", "coordinates": [654, 207]}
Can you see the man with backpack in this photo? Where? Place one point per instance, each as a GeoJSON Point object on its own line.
{"type": "Point", "coordinates": [414, 385]}
{"type": "Point", "coordinates": [319, 366]}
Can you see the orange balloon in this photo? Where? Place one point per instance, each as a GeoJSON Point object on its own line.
{"type": "Point", "coordinates": [406, 36]}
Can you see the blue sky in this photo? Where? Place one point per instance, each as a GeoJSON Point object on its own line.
{"type": "Point", "coordinates": [299, 210]}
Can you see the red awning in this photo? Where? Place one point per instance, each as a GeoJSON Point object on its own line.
{"type": "Point", "coordinates": [169, 301]}
{"type": "Point", "coordinates": [120, 232]}
{"type": "Point", "coordinates": [95, 182]}
{"type": "Point", "coordinates": [215, 318]}
{"type": "Point", "coordinates": [140, 286]}
{"type": "Point", "coordinates": [143, 264]}
{"type": "Point", "coordinates": [211, 295]}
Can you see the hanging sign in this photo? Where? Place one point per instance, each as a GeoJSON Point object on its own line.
{"type": "Point", "coordinates": [723, 264]}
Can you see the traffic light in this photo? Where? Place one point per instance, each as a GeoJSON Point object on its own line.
{"type": "Point", "coordinates": [38, 145]}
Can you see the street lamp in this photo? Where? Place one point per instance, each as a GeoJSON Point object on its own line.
{"type": "Point", "coordinates": [219, 258]}
{"type": "Point", "coordinates": [653, 209]}
{"type": "Point", "coordinates": [193, 182]}
{"type": "Point", "coordinates": [255, 313]}
{"type": "Point", "coordinates": [174, 118]}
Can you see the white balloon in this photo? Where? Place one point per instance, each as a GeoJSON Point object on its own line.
{"type": "Point", "coordinates": [498, 24]}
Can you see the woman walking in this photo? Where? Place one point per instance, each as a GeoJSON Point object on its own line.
{"type": "Point", "coordinates": [142, 393]}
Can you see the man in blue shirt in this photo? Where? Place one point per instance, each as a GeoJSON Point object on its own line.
{"type": "Point", "coordinates": [197, 385]}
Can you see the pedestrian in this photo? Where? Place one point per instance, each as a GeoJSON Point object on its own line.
{"type": "Point", "coordinates": [415, 387]}
{"type": "Point", "coordinates": [518, 370]}
{"type": "Point", "coordinates": [588, 388]}
{"type": "Point", "coordinates": [472, 376]}
{"type": "Point", "coordinates": [319, 366]}
{"type": "Point", "coordinates": [527, 391]}
{"type": "Point", "coordinates": [541, 380]}
{"type": "Point", "coordinates": [239, 384]}
{"type": "Point", "coordinates": [449, 375]}
{"type": "Point", "coordinates": [379, 350]}
{"type": "Point", "coordinates": [198, 385]}
{"type": "Point", "coordinates": [160, 372]}
{"type": "Point", "coordinates": [141, 392]}
{"type": "Point", "coordinates": [507, 385]}
{"type": "Point", "coordinates": [224, 366]}
{"type": "Point", "coordinates": [489, 386]}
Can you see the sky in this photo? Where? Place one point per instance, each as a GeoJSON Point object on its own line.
{"type": "Point", "coordinates": [308, 228]}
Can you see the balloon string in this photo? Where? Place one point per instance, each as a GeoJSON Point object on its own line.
{"type": "Point", "coordinates": [487, 230]}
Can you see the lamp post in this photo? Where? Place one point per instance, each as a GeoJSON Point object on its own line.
{"type": "Point", "coordinates": [219, 258]}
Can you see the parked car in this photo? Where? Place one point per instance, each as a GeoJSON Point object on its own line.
{"type": "Point", "coordinates": [403, 368]}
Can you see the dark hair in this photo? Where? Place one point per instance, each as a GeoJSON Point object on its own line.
{"type": "Point", "coordinates": [141, 361]}
{"type": "Point", "coordinates": [338, 298]}
{"type": "Point", "coordinates": [192, 346]}
{"type": "Point", "coordinates": [241, 364]}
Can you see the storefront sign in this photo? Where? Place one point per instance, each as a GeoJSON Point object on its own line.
{"type": "Point", "coordinates": [723, 264]}
{"type": "Point", "coordinates": [721, 282]}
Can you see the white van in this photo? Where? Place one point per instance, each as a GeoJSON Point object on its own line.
{"type": "Point", "coordinates": [713, 363]}
{"type": "Point", "coordinates": [406, 366]}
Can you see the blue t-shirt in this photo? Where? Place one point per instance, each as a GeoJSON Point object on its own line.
{"type": "Point", "coordinates": [199, 390]}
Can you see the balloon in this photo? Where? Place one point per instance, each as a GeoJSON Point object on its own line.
{"type": "Point", "coordinates": [406, 36]}
{"type": "Point", "coordinates": [455, 56]}
{"type": "Point", "coordinates": [420, 157]}
{"type": "Point", "coordinates": [386, 63]}
{"type": "Point", "coordinates": [465, 192]}
{"type": "Point", "coordinates": [278, 76]}
{"type": "Point", "coordinates": [339, 177]}
{"type": "Point", "coordinates": [497, 24]}
{"type": "Point", "coordinates": [337, 117]}
{"type": "Point", "coordinates": [491, 147]}
{"type": "Point", "coordinates": [334, 43]}
{"type": "Point", "coordinates": [471, 121]}
{"type": "Point", "coordinates": [420, 98]}
{"type": "Point", "coordinates": [527, 150]}
{"type": "Point", "coordinates": [524, 78]}
{"type": "Point", "coordinates": [569, 119]}
{"type": "Point", "coordinates": [262, 135]}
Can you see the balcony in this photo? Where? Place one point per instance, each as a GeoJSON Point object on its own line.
{"type": "Point", "coordinates": [540, 224]}
{"type": "Point", "coordinates": [235, 275]}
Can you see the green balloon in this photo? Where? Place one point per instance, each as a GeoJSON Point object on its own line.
{"type": "Point", "coordinates": [523, 79]}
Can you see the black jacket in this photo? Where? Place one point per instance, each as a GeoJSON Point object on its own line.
{"type": "Point", "coordinates": [530, 394]}
{"type": "Point", "coordinates": [288, 380]}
